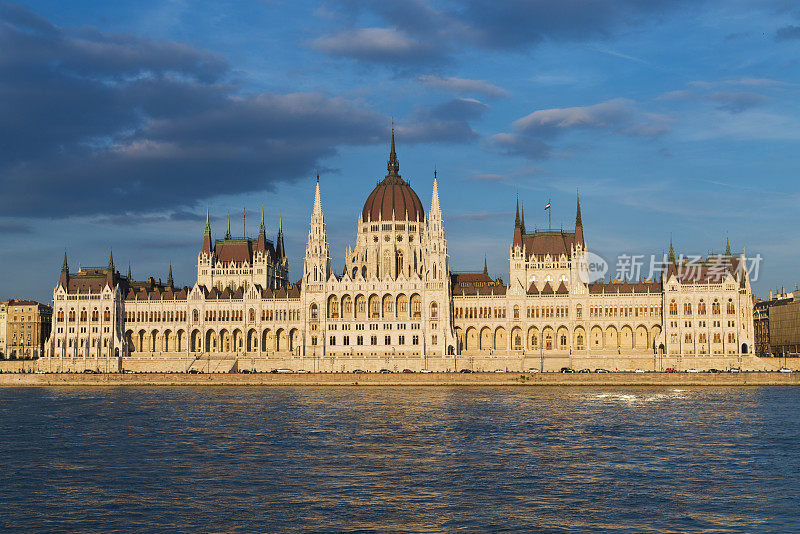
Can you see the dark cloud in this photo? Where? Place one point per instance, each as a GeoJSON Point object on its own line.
{"type": "Point", "coordinates": [787, 33]}
{"type": "Point", "coordinates": [97, 123]}
{"type": "Point", "coordinates": [14, 227]}
{"type": "Point", "coordinates": [520, 145]}
{"type": "Point", "coordinates": [737, 102]}
{"type": "Point", "coordinates": [431, 31]}
{"type": "Point", "coordinates": [448, 122]}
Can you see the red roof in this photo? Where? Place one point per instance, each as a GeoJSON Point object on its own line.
{"type": "Point", "coordinates": [393, 199]}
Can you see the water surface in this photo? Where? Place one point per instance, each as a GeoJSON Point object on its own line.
{"type": "Point", "coordinates": [370, 459]}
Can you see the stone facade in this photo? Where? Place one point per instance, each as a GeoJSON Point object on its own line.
{"type": "Point", "coordinates": [27, 326]}
{"type": "Point", "coordinates": [397, 304]}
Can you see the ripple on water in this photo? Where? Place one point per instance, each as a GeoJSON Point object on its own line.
{"type": "Point", "coordinates": [399, 460]}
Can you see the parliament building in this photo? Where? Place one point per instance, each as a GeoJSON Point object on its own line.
{"type": "Point", "coordinates": [397, 304]}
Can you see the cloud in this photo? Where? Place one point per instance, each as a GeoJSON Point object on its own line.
{"type": "Point", "coordinates": [480, 216]}
{"type": "Point", "coordinates": [98, 123]}
{"type": "Point", "coordinates": [534, 133]}
{"type": "Point", "coordinates": [787, 33]}
{"type": "Point", "coordinates": [448, 122]}
{"type": "Point", "coordinates": [617, 115]}
{"type": "Point", "coordinates": [464, 85]}
{"type": "Point", "coordinates": [719, 93]}
{"type": "Point", "coordinates": [8, 227]}
{"type": "Point", "coordinates": [377, 45]}
{"type": "Point", "coordinates": [432, 30]}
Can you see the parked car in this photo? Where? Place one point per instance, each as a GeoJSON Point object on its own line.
{"type": "Point", "coordinates": [670, 370]}
{"type": "Point", "coordinates": [712, 370]}
{"type": "Point", "coordinates": [567, 370]}
{"type": "Point", "coordinates": [303, 372]}
{"type": "Point", "coordinates": [602, 371]}
{"type": "Point", "coordinates": [784, 370]}
{"type": "Point", "coordinates": [736, 370]}
{"type": "Point", "coordinates": [358, 371]}
{"type": "Point", "coordinates": [639, 371]}
{"type": "Point", "coordinates": [90, 371]}
{"type": "Point", "coordinates": [245, 371]}
{"type": "Point", "coordinates": [499, 370]}
{"type": "Point", "coordinates": [426, 371]}
{"type": "Point", "coordinates": [533, 370]}
{"type": "Point", "coordinates": [692, 370]}
{"type": "Point", "coordinates": [385, 371]}
{"type": "Point", "coordinates": [407, 371]}
{"type": "Point", "coordinates": [465, 371]}
{"type": "Point", "coordinates": [195, 371]}
{"type": "Point", "coordinates": [585, 371]}
{"type": "Point", "coordinates": [284, 371]}
{"type": "Point", "coordinates": [127, 372]}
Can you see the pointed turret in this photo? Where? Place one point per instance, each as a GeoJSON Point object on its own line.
{"type": "Point", "coordinates": [279, 249]}
{"type": "Point", "coordinates": [207, 235]}
{"type": "Point", "coordinates": [129, 272]}
{"type": "Point", "coordinates": [261, 246]}
{"type": "Point", "coordinates": [317, 200]}
{"type": "Point", "coordinates": [579, 225]}
{"type": "Point", "coordinates": [110, 270]}
{"type": "Point", "coordinates": [485, 266]}
{"type": "Point", "coordinates": [435, 195]}
{"type": "Point", "coordinates": [228, 232]}
{"type": "Point", "coordinates": [517, 228]}
{"type": "Point", "coordinates": [169, 277]}
{"type": "Point", "coordinates": [522, 216]}
{"type": "Point", "coordinates": [63, 280]}
{"type": "Point", "coordinates": [728, 246]}
{"type": "Point", "coordinates": [671, 257]}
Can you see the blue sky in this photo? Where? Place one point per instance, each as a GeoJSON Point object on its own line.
{"type": "Point", "coordinates": [123, 121]}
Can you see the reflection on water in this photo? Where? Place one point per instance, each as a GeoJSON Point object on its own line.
{"type": "Point", "coordinates": [400, 459]}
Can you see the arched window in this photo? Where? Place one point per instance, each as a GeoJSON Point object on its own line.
{"type": "Point", "coordinates": [399, 262]}
{"type": "Point", "coordinates": [83, 315]}
{"type": "Point", "coordinates": [715, 307]}
{"type": "Point", "coordinates": [252, 315]}
{"type": "Point", "coordinates": [313, 312]}
{"type": "Point", "coordinates": [347, 305]}
{"type": "Point", "coordinates": [578, 311]}
{"type": "Point", "coordinates": [687, 308]}
{"type": "Point", "coordinates": [516, 312]}
{"type": "Point", "coordinates": [701, 307]}
{"type": "Point", "coordinates": [434, 310]}
{"type": "Point", "coordinates": [107, 315]}
{"type": "Point", "coordinates": [95, 315]}
{"type": "Point", "coordinates": [673, 307]}
{"type": "Point", "coordinates": [416, 306]}
{"type": "Point", "coordinates": [731, 307]}
{"type": "Point", "coordinates": [196, 316]}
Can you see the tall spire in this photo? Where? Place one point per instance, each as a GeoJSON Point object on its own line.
{"type": "Point", "coordinates": [517, 228]}
{"type": "Point", "coordinates": [169, 276]}
{"type": "Point", "coordinates": [207, 235]}
{"type": "Point", "coordinates": [523, 216]}
{"type": "Point", "coordinates": [261, 227]}
{"type": "Point", "coordinates": [317, 200]}
{"type": "Point", "coordinates": [261, 245]}
{"type": "Point", "coordinates": [516, 220]}
{"type": "Point", "coordinates": [129, 272]}
{"type": "Point", "coordinates": [671, 256]}
{"type": "Point", "coordinates": [727, 246]}
{"type": "Point", "coordinates": [579, 223]}
{"type": "Point", "coordinates": [228, 233]}
{"type": "Point", "coordinates": [110, 270]}
{"type": "Point", "coordinates": [393, 166]}
{"type": "Point", "coordinates": [63, 280]}
{"type": "Point", "coordinates": [435, 195]}
{"type": "Point", "coordinates": [279, 248]}
{"type": "Point", "coordinates": [485, 267]}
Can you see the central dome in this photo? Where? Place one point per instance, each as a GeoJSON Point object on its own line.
{"type": "Point", "coordinates": [393, 198]}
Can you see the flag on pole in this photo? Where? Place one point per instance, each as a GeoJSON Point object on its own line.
{"type": "Point", "coordinates": [548, 206]}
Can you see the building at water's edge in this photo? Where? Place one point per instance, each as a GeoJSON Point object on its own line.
{"type": "Point", "coordinates": [398, 300]}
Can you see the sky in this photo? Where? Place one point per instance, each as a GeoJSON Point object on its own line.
{"type": "Point", "coordinates": [122, 122]}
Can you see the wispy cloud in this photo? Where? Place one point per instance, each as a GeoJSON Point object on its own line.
{"type": "Point", "coordinates": [464, 85]}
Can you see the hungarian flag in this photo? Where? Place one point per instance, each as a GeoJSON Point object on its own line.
{"type": "Point", "coordinates": [548, 206]}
